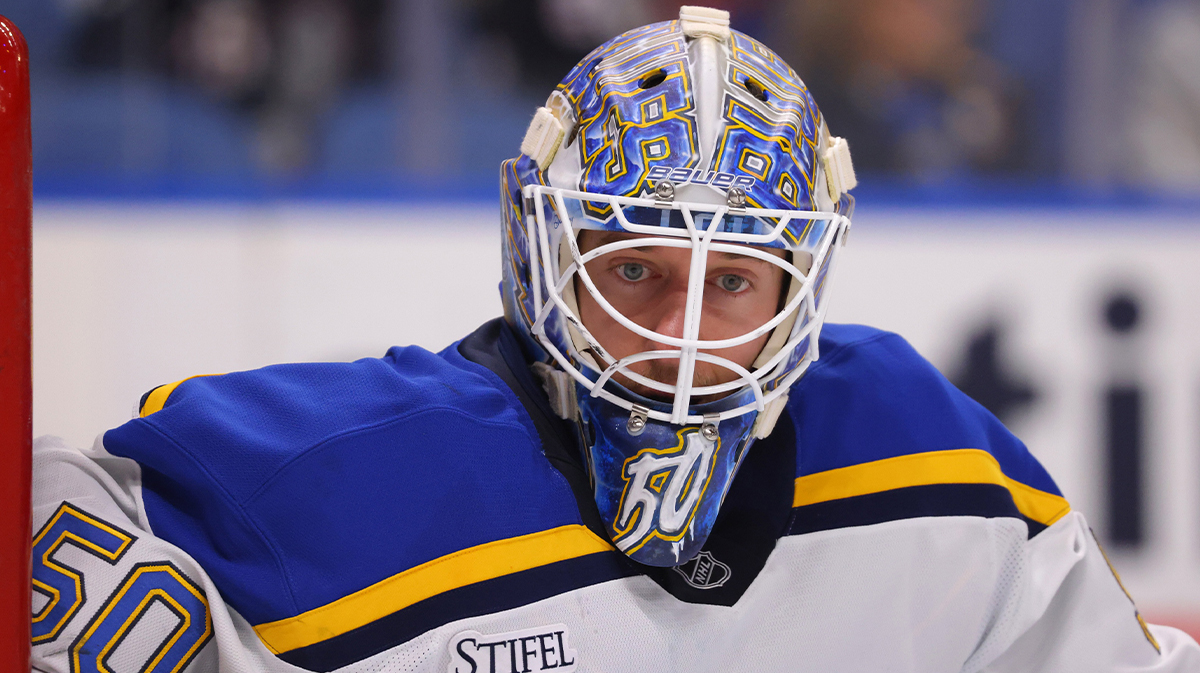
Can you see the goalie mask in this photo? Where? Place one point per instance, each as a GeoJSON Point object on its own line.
{"type": "Point", "coordinates": [677, 136]}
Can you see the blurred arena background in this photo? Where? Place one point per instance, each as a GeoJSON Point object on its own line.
{"type": "Point", "coordinates": [225, 184]}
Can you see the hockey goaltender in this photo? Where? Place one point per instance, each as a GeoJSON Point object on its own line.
{"type": "Point", "coordinates": [643, 466]}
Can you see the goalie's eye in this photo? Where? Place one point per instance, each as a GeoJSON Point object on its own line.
{"type": "Point", "coordinates": [632, 271]}
{"type": "Point", "coordinates": [731, 282]}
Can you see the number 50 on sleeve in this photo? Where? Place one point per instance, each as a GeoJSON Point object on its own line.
{"type": "Point", "coordinates": [146, 585]}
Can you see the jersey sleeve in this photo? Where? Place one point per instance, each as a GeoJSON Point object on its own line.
{"type": "Point", "coordinates": [1065, 609]}
{"type": "Point", "coordinates": [107, 594]}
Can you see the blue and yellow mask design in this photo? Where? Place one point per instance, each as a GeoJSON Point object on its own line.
{"type": "Point", "coordinates": [688, 135]}
{"type": "Point", "coordinates": [659, 491]}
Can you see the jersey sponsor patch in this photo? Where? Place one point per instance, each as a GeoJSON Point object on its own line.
{"type": "Point", "coordinates": [541, 648]}
{"type": "Point", "coordinates": [704, 571]}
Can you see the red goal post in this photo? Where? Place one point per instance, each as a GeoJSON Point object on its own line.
{"type": "Point", "coordinates": [16, 409]}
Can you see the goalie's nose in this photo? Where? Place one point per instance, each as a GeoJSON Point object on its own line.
{"type": "Point", "coordinates": [668, 315]}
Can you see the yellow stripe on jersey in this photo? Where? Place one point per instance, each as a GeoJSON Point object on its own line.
{"type": "Point", "coordinates": [959, 466]}
{"type": "Point", "coordinates": [469, 566]}
{"type": "Point", "coordinates": [1116, 575]}
{"type": "Point", "coordinates": [158, 397]}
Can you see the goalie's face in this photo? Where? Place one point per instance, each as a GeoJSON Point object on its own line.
{"type": "Point", "coordinates": [649, 285]}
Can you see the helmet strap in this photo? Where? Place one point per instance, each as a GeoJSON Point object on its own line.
{"type": "Point", "coordinates": [560, 389]}
{"type": "Point", "coordinates": [765, 423]}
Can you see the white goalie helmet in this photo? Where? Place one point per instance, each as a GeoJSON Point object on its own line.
{"type": "Point", "coordinates": [681, 135]}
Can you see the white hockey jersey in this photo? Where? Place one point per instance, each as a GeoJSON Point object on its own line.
{"type": "Point", "coordinates": [427, 512]}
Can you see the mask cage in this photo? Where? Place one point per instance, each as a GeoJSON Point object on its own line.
{"type": "Point", "coordinates": [557, 215]}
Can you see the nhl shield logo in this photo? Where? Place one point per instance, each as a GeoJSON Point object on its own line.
{"type": "Point", "coordinates": [704, 571]}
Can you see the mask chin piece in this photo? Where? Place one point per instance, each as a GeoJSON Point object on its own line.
{"type": "Point", "coordinates": [637, 420]}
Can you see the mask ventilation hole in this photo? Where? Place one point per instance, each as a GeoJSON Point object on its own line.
{"type": "Point", "coordinates": [755, 89]}
{"type": "Point", "coordinates": [653, 79]}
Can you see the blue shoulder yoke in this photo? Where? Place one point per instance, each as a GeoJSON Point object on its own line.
{"type": "Point", "coordinates": [295, 485]}
{"type": "Point", "coordinates": [871, 396]}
